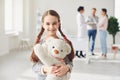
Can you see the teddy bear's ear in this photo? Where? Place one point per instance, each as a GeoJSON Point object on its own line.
{"type": "Point", "coordinates": [68, 48]}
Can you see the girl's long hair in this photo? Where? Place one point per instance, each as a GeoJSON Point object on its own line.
{"type": "Point", "coordinates": [33, 57]}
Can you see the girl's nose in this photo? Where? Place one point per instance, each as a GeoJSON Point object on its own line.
{"type": "Point", "coordinates": [51, 26]}
{"type": "Point", "coordinates": [56, 51]}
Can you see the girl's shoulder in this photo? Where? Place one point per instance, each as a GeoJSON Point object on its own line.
{"type": "Point", "coordinates": [42, 41]}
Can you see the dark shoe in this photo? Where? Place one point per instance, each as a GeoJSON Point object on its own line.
{"type": "Point", "coordinates": [81, 54]}
{"type": "Point", "coordinates": [93, 54]}
{"type": "Point", "coordinates": [77, 54]}
{"type": "Point", "coordinates": [104, 56]}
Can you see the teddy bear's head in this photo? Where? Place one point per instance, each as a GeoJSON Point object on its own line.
{"type": "Point", "coordinates": [58, 48]}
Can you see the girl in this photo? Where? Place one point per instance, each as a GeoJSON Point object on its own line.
{"type": "Point", "coordinates": [50, 24]}
{"type": "Point", "coordinates": [102, 24]}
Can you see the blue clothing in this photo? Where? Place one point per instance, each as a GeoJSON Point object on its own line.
{"type": "Point", "coordinates": [103, 24]}
{"type": "Point", "coordinates": [92, 34]}
{"type": "Point", "coordinates": [92, 30]}
{"type": "Point", "coordinates": [103, 36]}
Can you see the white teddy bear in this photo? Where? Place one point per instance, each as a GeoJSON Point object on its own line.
{"type": "Point", "coordinates": [49, 51]}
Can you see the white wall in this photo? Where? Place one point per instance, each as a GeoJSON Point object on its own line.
{"type": "Point", "coordinates": [3, 39]}
{"type": "Point", "coordinates": [68, 10]}
{"type": "Point", "coordinates": [14, 40]}
{"type": "Point", "coordinates": [11, 42]}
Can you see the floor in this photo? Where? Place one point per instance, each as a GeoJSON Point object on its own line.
{"type": "Point", "coordinates": [16, 66]}
{"type": "Point", "coordinates": [13, 64]}
{"type": "Point", "coordinates": [97, 69]}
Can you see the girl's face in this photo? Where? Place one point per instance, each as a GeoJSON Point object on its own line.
{"type": "Point", "coordinates": [51, 25]}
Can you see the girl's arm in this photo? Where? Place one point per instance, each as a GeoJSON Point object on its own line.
{"type": "Point", "coordinates": [92, 21]}
{"type": "Point", "coordinates": [41, 69]}
{"type": "Point", "coordinates": [101, 23]}
{"type": "Point", "coordinates": [63, 69]}
{"type": "Point", "coordinates": [68, 63]}
{"type": "Point", "coordinates": [38, 68]}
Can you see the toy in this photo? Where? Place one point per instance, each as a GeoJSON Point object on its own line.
{"type": "Point", "coordinates": [49, 51]}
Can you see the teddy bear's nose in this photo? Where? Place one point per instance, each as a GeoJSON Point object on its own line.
{"type": "Point", "coordinates": [56, 51]}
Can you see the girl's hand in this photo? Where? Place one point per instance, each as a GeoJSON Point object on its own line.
{"type": "Point", "coordinates": [61, 60]}
{"type": "Point", "coordinates": [49, 69]}
{"type": "Point", "coordinates": [61, 70]}
{"type": "Point", "coordinates": [57, 69]}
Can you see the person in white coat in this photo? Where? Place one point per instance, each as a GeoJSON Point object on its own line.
{"type": "Point", "coordinates": [82, 33]}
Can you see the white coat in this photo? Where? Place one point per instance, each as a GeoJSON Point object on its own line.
{"type": "Point", "coordinates": [82, 38]}
{"type": "Point", "coordinates": [82, 27]}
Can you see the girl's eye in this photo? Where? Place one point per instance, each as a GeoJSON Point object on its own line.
{"type": "Point", "coordinates": [61, 50]}
{"type": "Point", "coordinates": [47, 24]}
{"type": "Point", "coordinates": [53, 47]}
{"type": "Point", "coordinates": [54, 23]}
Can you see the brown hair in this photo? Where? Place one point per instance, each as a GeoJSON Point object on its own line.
{"type": "Point", "coordinates": [94, 9]}
{"type": "Point", "coordinates": [33, 57]}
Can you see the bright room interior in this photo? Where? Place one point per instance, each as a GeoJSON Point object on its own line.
{"type": "Point", "coordinates": [20, 24]}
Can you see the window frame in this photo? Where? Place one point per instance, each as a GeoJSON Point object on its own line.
{"type": "Point", "coordinates": [13, 20]}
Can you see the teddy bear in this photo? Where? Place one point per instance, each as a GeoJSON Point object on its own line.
{"type": "Point", "coordinates": [51, 49]}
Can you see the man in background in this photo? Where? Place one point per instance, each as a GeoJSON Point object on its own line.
{"type": "Point", "coordinates": [92, 21]}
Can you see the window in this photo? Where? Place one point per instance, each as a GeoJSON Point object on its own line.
{"type": "Point", "coordinates": [13, 16]}
{"type": "Point", "coordinates": [117, 10]}
{"type": "Point", "coordinates": [8, 15]}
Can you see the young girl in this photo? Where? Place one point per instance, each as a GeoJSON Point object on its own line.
{"type": "Point", "coordinates": [51, 24]}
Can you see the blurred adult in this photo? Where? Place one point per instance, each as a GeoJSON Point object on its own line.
{"type": "Point", "coordinates": [82, 33]}
{"type": "Point", "coordinates": [103, 24]}
{"type": "Point", "coordinates": [92, 21]}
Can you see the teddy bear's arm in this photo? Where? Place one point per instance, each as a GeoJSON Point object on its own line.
{"type": "Point", "coordinates": [43, 55]}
